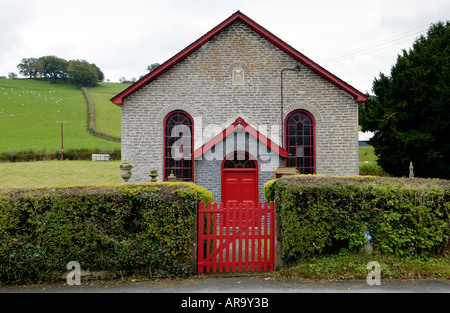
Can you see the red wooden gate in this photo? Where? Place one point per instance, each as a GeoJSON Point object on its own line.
{"type": "Point", "coordinates": [236, 237]}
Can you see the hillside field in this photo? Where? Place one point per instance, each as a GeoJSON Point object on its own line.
{"type": "Point", "coordinates": [29, 111]}
{"type": "Point", "coordinates": [107, 114]}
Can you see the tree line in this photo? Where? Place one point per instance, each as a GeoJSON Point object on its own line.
{"type": "Point", "coordinates": [78, 72]}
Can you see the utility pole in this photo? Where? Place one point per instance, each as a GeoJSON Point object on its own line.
{"type": "Point", "coordinates": [62, 139]}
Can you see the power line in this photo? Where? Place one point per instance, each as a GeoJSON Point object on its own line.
{"type": "Point", "coordinates": [369, 48]}
{"type": "Point", "coordinates": [375, 46]}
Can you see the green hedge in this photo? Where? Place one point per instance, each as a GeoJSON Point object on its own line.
{"type": "Point", "coordinates": [114, 228]}
{"type": "Point", "coordinates": [320, 215]}
{"type": "Point", "coordinates": [69, 154]}
{"type": "Point", "coordinates": [371, 169]}
{"type": "Point", "coordinates": [91, 128]}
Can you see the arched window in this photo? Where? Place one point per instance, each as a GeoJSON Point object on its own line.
{"type": "Point", "coordinates": [239, 160]}
{"type": "Point", "coordinates": [300, 141]}
{"type": "Point", "coordinates": [178, 146]}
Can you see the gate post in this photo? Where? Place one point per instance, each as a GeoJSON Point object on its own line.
{"type": "Point", "coordinates": [278, 242]}
{"type": "Point", "coordinates": [194, 248]}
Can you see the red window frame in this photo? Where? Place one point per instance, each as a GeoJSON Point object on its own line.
{"type": "Point", "coordinates": [300, 141]}
{"type": "Point", "coordinates": [238, 161]}
{"type": "Point", "coordinates": [183, 169]}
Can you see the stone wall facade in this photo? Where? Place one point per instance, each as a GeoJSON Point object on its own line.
{"type": "Point", "coordinates": [237, 74]}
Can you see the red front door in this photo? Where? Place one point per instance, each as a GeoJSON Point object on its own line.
{"type": "Point", "coordinates": [239, 180]}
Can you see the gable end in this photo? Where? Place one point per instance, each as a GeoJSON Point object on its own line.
{"type": "Point", "coordinates": [296, 55]}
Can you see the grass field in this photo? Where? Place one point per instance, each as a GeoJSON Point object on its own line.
{"type": "Point", "coordinates": [29, 110]}
{"type": "Point", "coordinates": [366, 154]}
{"type": "Point", "coordinates": [58, 173]}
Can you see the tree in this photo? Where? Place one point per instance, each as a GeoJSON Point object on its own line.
{"type": "Point", "coordinates": [55, 67]}
{"type": "Point", "coordinates": [27, 67]}
{"type": "Point", "coordinates": [82, 73]}
{"type": "Point", "coordinates": [12, 75]}
{"type": "Point", "coordinates": [39, 68]}
{"type": "Point", "coordinates": [410, 113]}
{"type": "Point", "coordinates": [152, 67]}
{"type": "Point", "coordinates": [100, 75]}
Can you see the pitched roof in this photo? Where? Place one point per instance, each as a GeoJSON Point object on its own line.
{"type": "Point", "coordinates": [359, 97]}
{"type": "Point", "coordinates": [234, 127]}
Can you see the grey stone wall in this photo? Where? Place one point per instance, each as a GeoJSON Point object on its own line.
{"type": "Point", "coordinates": [210, 87]}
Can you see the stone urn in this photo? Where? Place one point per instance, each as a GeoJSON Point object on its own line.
{"type": "Point", "coordinates": [125, 170]}
{"type": "Point", "coordinates": [153, 175]}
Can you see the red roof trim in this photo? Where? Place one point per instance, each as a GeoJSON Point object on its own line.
{"type": "Point", "coordinates": [230, 129]}
{"type": "Point", "coordinates": [360, 97]}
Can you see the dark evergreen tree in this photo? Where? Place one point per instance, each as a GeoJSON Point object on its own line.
{"type": "Point", "coordinates": [410, 112]}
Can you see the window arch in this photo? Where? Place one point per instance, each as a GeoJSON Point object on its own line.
{"type": "Point", "coordinates": [239, 160]}
{"type": "Point", "coordinates": [300, 141]}
{"type": "Point", "coordinates": [178, 146]}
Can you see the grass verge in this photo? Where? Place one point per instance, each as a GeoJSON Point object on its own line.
{"type": "Point", "coordinates": [354, 266]}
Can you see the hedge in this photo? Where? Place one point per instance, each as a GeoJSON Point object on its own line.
{"type": "Point", "coordinates": [91, 128]}
{"type": "Point", "coordinates": [319, 215]}
{"type": "Point", "coordinates": [69, 154]}
{"type": "Point", "coordinates": [115, 228]}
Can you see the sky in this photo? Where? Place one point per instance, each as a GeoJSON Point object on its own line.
{"type": "Point", "coordinates": [355, 40]}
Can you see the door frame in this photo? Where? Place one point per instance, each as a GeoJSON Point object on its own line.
{"type": "Point", "coordinates": [255, 169]}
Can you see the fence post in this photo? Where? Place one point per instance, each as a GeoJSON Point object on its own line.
{"type": "Point", "coordinates": [200, 231]}
{"type": "Point", "coordinates": [194, 249]}
{"type": "Point", "coordinates": [278, 242]}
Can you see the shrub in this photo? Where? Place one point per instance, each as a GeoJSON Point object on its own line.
{"type": "Point", "coordinates": [319, 215]}
{"type": "Point", "coordinates": [126, 228]}
{"type": "Point", "coordinates": [371, 169]}
{"type": "Point", "coordinates": [69, 154]}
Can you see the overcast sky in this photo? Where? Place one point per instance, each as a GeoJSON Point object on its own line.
{"type": "Point", "coordinates": [353, 39]}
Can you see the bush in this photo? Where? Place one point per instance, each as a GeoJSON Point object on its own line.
{"type": "Point", "coordinates": [114, 228]}
{"type": "Point", "coordinates": [371, 169]}
{"type": "Point", "coordinates": [70, 154]}
{"type": "Point", "coordinates": [320, 215]}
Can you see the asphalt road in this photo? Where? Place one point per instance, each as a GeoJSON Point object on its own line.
{"type": "Point", "coordinates": [225, 294]}
{"type": "Point", "coordinates": [260, 284]}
